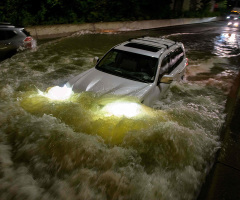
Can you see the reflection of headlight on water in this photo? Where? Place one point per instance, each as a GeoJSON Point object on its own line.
{"type": "Point", "coordinates": [234, 24]}
{"type": "Point", "coordinates": [127, 109]}
{"type": "Point", "coordinates": [58, 93]}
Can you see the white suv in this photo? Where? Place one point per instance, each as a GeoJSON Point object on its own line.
{"type": "Point", "coordinates": [142, 67]}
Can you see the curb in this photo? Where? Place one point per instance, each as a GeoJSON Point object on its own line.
{"type": "Point", "coordinates": [54, 31]}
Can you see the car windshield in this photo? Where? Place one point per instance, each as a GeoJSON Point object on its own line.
{"type": "Point", "coordinates": [129, 65]}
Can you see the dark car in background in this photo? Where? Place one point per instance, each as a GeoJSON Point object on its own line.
{"type": "Point", "coordinates": [233, 20]}
{"type": "Point", "coordinates": [13, 39]}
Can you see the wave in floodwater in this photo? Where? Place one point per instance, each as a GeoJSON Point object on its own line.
{"type": "Point", "coordinates": [78, 149]}
{"type": "Point", "coordinates": [55, 149]}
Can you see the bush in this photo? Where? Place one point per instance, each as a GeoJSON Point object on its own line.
{"type": "Point", "coordinates": [44, 12]}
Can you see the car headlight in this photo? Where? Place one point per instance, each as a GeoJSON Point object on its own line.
{"type": "Point", "coordinates": [229, 23]}
{"type": "Point", "coordinates": [228, 17]}
{"type": "Point", "coordinates": [127, 109]}
{"type": "Point", "coordinates": [58, 93]}
{"type": "Point", "coordinates": [235, 24]}
{"type": "Point", "coordinates": [235, 18]}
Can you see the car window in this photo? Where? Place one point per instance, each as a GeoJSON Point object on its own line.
{"type": "Point", "coordinates": [6, 34]}
{"type": "Point", "coordinates": [2, 35]}
{"type": "Point", "coordinates": [129, 65]}
{"type": "Point", "coordinates": [176, 57]}
{"type": "Point", "coordinates": [25, 32]}
{"type": "Point", "coordinates": [164, 69]}
{"type": "Point", "coordinates": [109, 60]}
{"type": "Point", "coordinates": [180, 55]}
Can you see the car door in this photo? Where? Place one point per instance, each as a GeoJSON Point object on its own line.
{"type": "Point", "coordinates": [157, 89]}
{"type": "Point", "coordinates": [173, 65]}
{"type": "Point", "coordinates": [167, 67]}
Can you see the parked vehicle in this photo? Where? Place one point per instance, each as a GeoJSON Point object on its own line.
{"type": "Point", "coordinates": [14, 38]}
{"type": "Point", "coordinates": [142, 67]}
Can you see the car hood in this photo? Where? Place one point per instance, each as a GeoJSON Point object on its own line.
{"type": "Point", "coordinates": [101, 82]}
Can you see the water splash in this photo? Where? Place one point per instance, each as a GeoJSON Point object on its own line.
{"type": "Point", "coordinates": [64, 145]}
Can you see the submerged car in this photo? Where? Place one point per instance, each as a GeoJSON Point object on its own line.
{"type": "Point", "coordinates": [13, 38]}
{"type": "Point", "coordinates": [142, 67]}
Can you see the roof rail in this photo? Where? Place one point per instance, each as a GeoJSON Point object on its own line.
{"type": "Point", "coordinates": [136, 38]}
{"type": "Point", "coordinates": [6, 25]}
{"type": "Point", "coordinates": [159, 41]}
{"type": "Point", "coordinates": [168, 43]}
{"type": "Point", "coordinates": [149, 41]}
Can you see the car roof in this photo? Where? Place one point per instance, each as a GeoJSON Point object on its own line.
{"type": "Point", "coordinates": [149, 46]}
{"type": "Point", "coordinates": [7, 25]}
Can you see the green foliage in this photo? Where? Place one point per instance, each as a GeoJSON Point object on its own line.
{"type": "Point", "coordinates": [29, 12]}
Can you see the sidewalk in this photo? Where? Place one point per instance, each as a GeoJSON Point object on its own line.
{"type": "Point", "coordinates": [60, 30]}
{"type": "Point", "coordinates": [223, 182]}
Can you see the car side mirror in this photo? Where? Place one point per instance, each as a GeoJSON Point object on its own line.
{"type": "Point", "coordinates": [95, 60]}
{"type": "Point", "coordinates": [166, 79]}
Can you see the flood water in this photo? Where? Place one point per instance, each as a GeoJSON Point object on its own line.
{"type": "Point", "coordinates": [72, 150]}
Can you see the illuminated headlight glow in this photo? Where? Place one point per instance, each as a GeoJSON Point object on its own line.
{"type": "Point", "coordinates": [235, 18]}
{"type": "Point", "coordinates": [228, 17]}
{"type": "Point", "coordinates": [58, 93]}
{"type": "Point", "coordinates": [127, 109]}
{"type": "Point", "coordinates": [229, 23]}
{"type": "Point", "coordinates": [235, 24]}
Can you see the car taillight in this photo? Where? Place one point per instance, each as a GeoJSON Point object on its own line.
{"type": "Point", "coordinates": [28, 42]}
{"type": "Point", "coordinates": [186, 61]}
{"type": "Point", "coordinates": [28, 39]}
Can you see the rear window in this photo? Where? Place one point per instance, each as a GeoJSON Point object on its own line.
{"type": "Point", "coordinates": [142, 47]}
{"type": "Point", "coordinates": [26, 33]}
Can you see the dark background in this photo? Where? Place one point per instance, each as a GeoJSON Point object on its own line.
{"type": "Point", "coordinates": [29, 12]}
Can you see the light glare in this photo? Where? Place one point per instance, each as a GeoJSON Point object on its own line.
{"type": "Point", "coordinates": [58, 93]}
{"type": "Point", "coordinates": [127, 109]}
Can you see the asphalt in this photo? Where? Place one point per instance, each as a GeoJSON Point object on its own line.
{"type": "Point", "coordinates": [223, 181]}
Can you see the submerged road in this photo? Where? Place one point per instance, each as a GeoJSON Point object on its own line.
{"type": "Point", "coordinates": [58, 150]}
